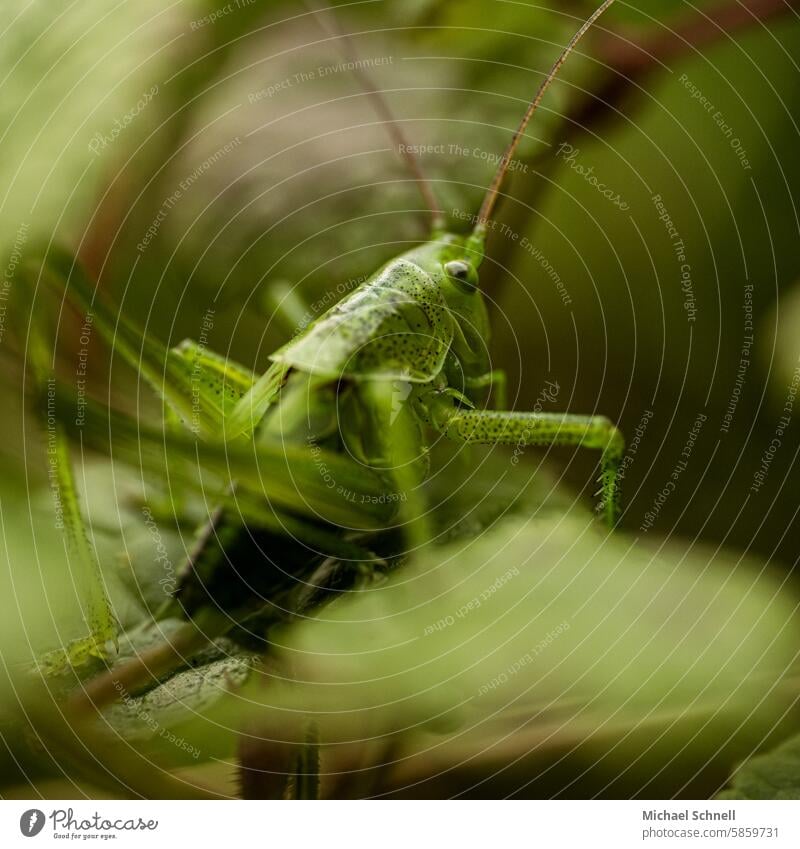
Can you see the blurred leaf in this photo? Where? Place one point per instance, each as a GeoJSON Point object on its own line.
{"type": "Point", "coordinates": [67, 73]}
{"type": "Point", "coordinates": [550, 616]}
{"type": "Point", "coordinates": [775, 775]}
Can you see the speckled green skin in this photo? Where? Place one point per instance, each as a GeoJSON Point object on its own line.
{"type": "Point", "coordinates": [398, 325]}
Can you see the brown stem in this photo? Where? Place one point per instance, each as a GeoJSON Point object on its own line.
{"type": "Point", "coordinates": [629, 63]}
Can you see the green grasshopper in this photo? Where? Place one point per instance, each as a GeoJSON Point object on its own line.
{"type": "Point", "coordinates": [353, 399]}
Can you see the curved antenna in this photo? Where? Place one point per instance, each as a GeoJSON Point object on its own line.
{"type": "Point", "coordinates": [489, 201]}
{"type": "Point", "coordinates": [382, 108]}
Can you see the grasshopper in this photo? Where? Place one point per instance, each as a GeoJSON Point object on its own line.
{"type": "Point", "coordinates": [355, 398]}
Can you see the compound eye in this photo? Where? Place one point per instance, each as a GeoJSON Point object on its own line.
{"type": "Point", "coordinates": [463, 274]}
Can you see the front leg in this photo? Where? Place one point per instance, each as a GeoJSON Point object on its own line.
{"type": "Point", "coordinates": [537, 429]}
{"type": "Point", "coordinates": [496, 381]}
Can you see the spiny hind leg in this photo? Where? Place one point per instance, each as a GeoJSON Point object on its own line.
{"type": "Point", "coordinates": [542, 429]}
{"type": "Point", "coordinates": [101, 625]}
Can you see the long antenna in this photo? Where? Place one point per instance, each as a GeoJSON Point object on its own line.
{"type": "Point", "coordinates": [489, 201]}
{"type": "Point", "coordinates": [382, 108]}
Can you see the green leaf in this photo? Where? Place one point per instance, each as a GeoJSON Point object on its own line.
{"type": "Point", "coordinates": [550, 619]}
{"type": "Point", "coordinates": [774, 775]}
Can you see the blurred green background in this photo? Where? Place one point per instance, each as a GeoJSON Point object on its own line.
{"type": "Point", "coordinates": [253, 159]}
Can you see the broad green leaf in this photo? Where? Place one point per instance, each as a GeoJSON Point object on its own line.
{"type": "Point", "coordinates": [774, 775]}
{"type": "Point", "coordinates": [549, 618]}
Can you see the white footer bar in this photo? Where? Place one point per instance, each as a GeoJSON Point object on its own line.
{"type": "Point", "coordinates": [402, 825]}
